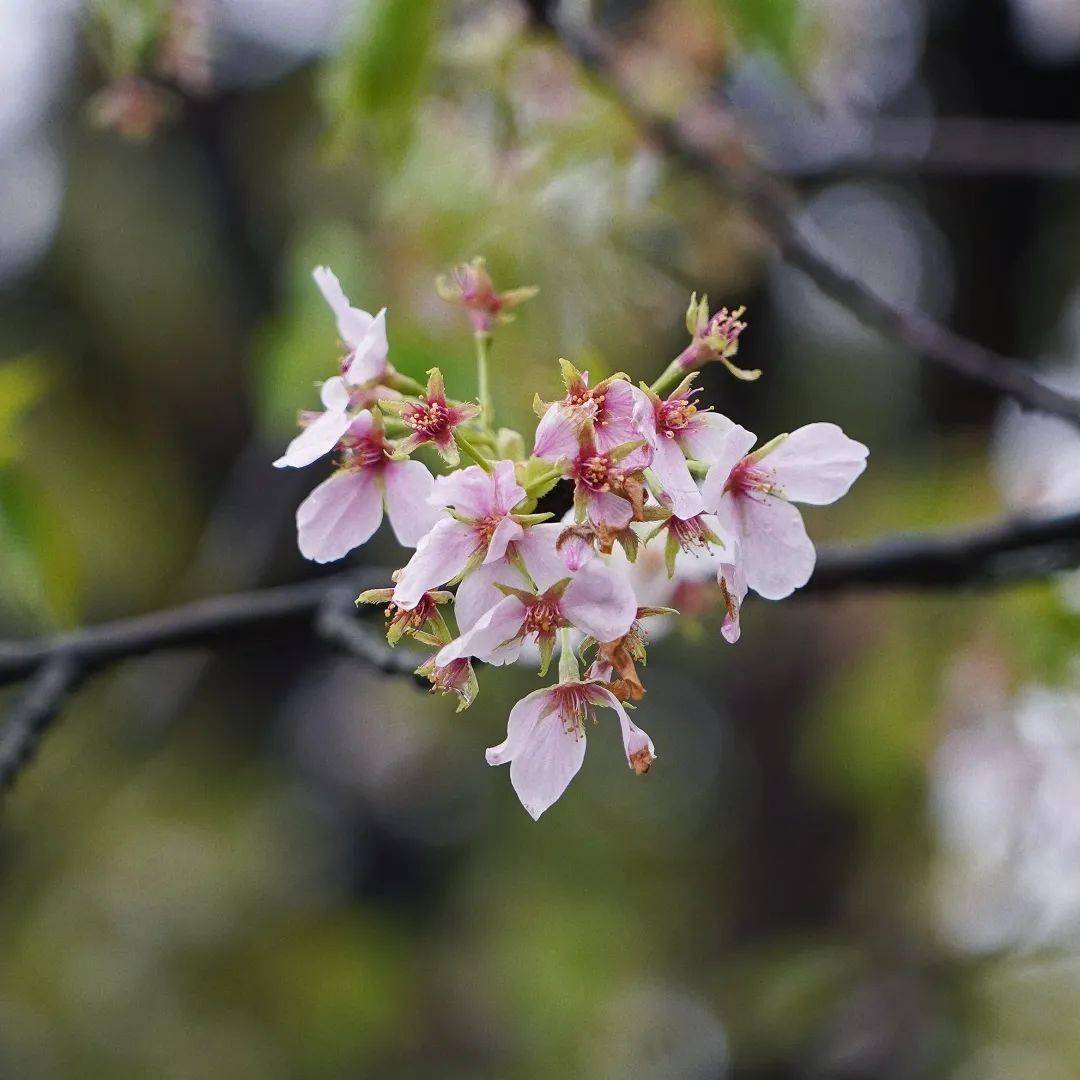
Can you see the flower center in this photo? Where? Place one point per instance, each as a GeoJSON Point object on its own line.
{"type": "Point", "coordinates": [596, 472]}
{"type": "Point", "coordinates": [366, 452]}
{"type": "Point", "coordinates": [427, 418]}
{"type": "Point", "coordinates": [675, 415]}
{"type": "Point", "coordinates": [544, 617]}
{"type": "Point", "coordinates": [572, 705]}
{"type": "Point", "coordinates": [748, 476]}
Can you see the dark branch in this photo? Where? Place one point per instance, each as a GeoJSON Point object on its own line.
{"type": "Point", "coordinates": [34, 712]}
{"type": "Point", "coordinates": [336, 623]}
{"type": "Point", "coordinates": [774, 206]}
{"type": "Point", "coordinates": [1003, 553]}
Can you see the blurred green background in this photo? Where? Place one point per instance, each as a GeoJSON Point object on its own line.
{"type": "Point", "coordinates": [859, 852]}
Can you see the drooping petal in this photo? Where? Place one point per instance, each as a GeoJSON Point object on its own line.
{"type": "Point", "coordinates": [816, 464]}
{"type": "Point", "coordinates": [317, 439]}
{"type": "Point", "coordinates": [640, 752]}
{"type": "Point", "coordinates": [734, 446]}
{"type": "Point", "coordinates": [505, 533]}
{"type": "Point", "coordinates": [607, 509]}
{"type": "Point", "coordinates": [774, 549]}
{"type": "Point", "coordinates": [600, 602]}
{"type": "Point", "coordinates": [339, 515]}
{"type": "Point", "coordinates": [486, 639]}
{"type": "Point", "coordinates": [408, 488]}
{"type": "Point", "coordinates": [439, 556]}
{"type": "Point", "coordinates": [732, 581]}
{"type": "Point", "coordinates": [352, 323]}
{"type": "Point", "coordinates": [556, 434]}
{"type": "Point", "coordinates": [519, 726]}
{"type": "Point", "coordinates": [615, 423]}
{"type": "Point", "coordinates": [544, 756]}
{"type": "Point", "coordinates": [704, 436]}
{"type": "Point", "coordinates": [368, 361]}
{"type": "Point", "coordinates": [678, 487]}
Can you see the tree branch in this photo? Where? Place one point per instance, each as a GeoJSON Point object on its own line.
{"type": "Point", "coordinates": [34, 712]}
{"type": "Point", "coordinates": [774, 206]}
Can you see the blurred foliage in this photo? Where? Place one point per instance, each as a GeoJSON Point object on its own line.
{"type": "Point", "coordinates": [276, 865]}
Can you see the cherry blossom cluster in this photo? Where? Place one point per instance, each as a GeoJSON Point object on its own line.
{"type": "Point", "coordinates": [667, 497]}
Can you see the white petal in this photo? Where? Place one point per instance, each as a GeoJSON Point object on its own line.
{"type": "Point", "coordinates": [519, 726]}
{"type": "Point", "coordinates": [773, 546]}
{"type": "Point", "coordinates": [550, 758]}
{"type": "Point", "coordinates": [816, 464]}
{"type": "Point", "coordinates": [634, 739]}
{"type": "Point", "coordinates": [352, 323]}
{"type": "Point", "coordinates": [505, 533]}
{"type": "Point", "coordinates": [440, 555]}
{"type": "Point", "coordinates": [339, 515]}
{"type": "Point", "coordinates": [368, 361]}
{"type": "Point", "coordinates": [485, 640]}
{"type": "Point", "coordinates": [704, 437]}
{"type": "Point", "coordinates": [733, 448]}
{"type": "Point", "coordinates": [477, 595]}
{"type": "Point", "coordinates": [600, 602]}
{"type": "Point", "coordinates": [678, 487]}
{"type": "Point", "coordinates": [542, 559]}
{"type": "Point", "coordinates": [317, 439]}
{"type": "Point", "coordinates": [408, 487]}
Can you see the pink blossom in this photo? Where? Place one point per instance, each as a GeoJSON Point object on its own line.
{"type": "Point", "coordinates": [607, 483]}
{"type": "Point", "coordinates": [676, 429]}
{"type": "Point", "coordinates": [732, 581]}
{"type": "Point", "coordinates": [433, 419]}
{"type": "Point", "coordinates": [470, 285]}
{"type": "Point", "coordinates": [344, 511]}
{"type": "Point", "coordinates": [597, 601]}
{"type": "Point", "coordinates": [346, 394]}
{"type": "Point", "coordinates": [479, 530]}
{"type": "Point", "coordinates": [609, 405]}
{"type": "Point", "coordinates": [713, 337]}
{"type": "Point", "coordinates": [545, 741]}
{"type": "Point", "coordinates": [752, 495]}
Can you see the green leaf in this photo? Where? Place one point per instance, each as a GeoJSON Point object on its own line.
{"type": "Point", "coordinates": [378, 80]}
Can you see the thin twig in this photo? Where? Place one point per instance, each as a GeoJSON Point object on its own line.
{"type": "Point", "coordinates": [336, 622]}
{"type": "Point", "coordinates": [34, 712]}
{"type": "Point", "coordinates": [774, 206]}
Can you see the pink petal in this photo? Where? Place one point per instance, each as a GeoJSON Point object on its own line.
{"type": "Point", "coordinates": [600, 602]}
{"type": "Point", "coordinates": [519, 726]}
{"type": "Point", "coordinates": [608, 509]}
{"type": "Point", "coordinates": [634, 739]}
{"type": "Point", "coordinates": [317, 439]}
{"type": "Point", "coordinates": [476, 595]}
{"type": "Point", "coordinates": [544, 757]}
{"type": "Point", "coordinates": [816, 464]}
{"type": "Point", "coordinates": [774, 549]}
{"type": "Point", "coordinates": [408, 487]}
{"type": "Point", "coordinates": [704, 436]}
{"type": "Point", "coordinates": [340, 514]}
{"type": "Point", "coordinates": [732, 449]}
{"type": "Point", "coordinates": [352, 323]}
{"type": "Point", "coordinates": [732, 579]}
{"type": "Point", "coordinates": [508, 492]}
{"type": "Point", "coordinates": [368, 361]}
{"type": "Point", "coordinates": [485, 640]}
{"type": "Point", "coordinates": [678, 487]}
{"type": "Point", "coordinates": [556, 434]}
{"type": "Point", "coordinates": [505, 533]}
{"type": "Point", "coordinates": [616, 424]}
{"type": "Point", "coordinates": [439, 556]}
{"type": "Point", "coordinates": [645, 418]}
{"type": "Point", "coordinates": [542, 560]}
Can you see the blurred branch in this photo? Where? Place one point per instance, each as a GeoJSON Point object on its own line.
{"type": "Point", "coordinates": [337, 624]}
{"type": "Point", "coordinates": [34, 712]}
{"type": "Point", "coordinates": [1005, 552]}
{"type": "Point", "coordinates": [949, 146]}
{"type": "Point", "coordinates": [775, 207]}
